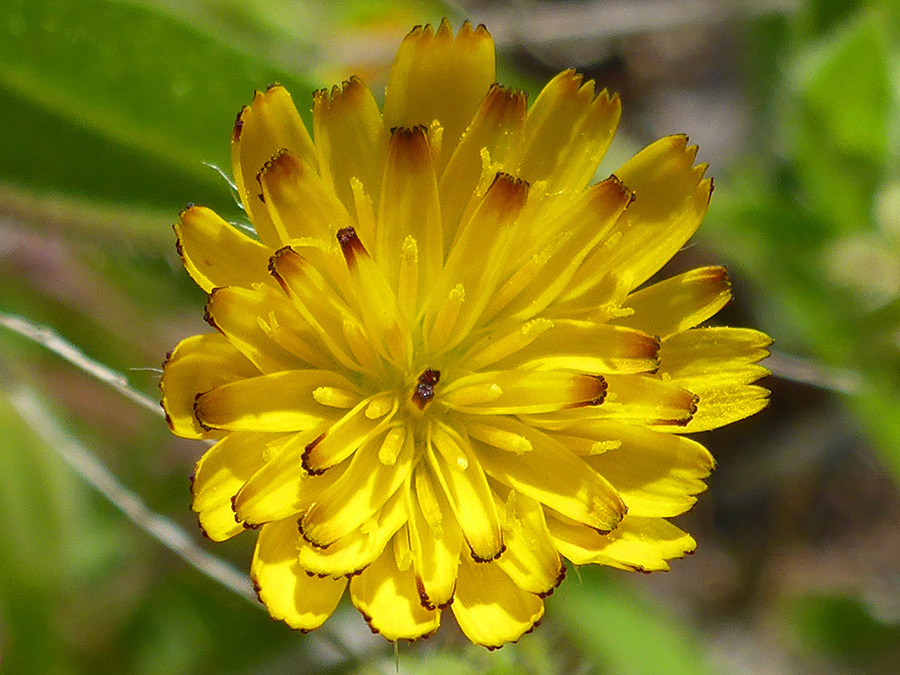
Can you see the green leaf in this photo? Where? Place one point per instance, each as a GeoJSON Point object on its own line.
{"type": "Point", "coordinates": [838, 119]}
{"type": "Point", "coordinates": [623, 631]}
{"type": "Point", "coordinates": [121, 102]}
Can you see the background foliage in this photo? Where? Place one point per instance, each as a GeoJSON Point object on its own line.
{"type": "Point", "coordinates": [114, 112]}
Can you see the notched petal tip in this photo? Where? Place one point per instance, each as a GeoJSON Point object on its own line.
{"type": "Point", "coordinates": [307, 452]}
{"type": "Point", "coordinates": [496, 556]}
{"type": "Point", "coordinates": [351, 246]}
{"type": "Point", "coordinates": [198, 402]}
{"type": "Point", "coordinates": [559, 579]}
{"type": "Point", "coordinates": [425, 601]}
{"type": "Point", "coordinates": [283, 164]}
{"type": "Point", "coordinates": [239, 124]}
{"type": "Point", "coordinates": [591, 391]}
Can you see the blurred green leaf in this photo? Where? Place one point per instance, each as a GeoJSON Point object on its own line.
{"type": "Point", "coordinates": [838, 120]}
{"type": "Point", "coordinates": [121, 102]}
{"type": "Point", "coordinates": [622, 632]}
{"type": "Point", "coordinates": [842, 624]}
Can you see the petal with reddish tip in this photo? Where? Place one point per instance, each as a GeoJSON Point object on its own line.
{"type": "Point", "coordinates": [671, 199]}
{"type": "Point", "coordinates": [679, 303]}
{"type": "Point", "coordinates": [301, 205]}
{"type": "Point", "coordinates": [357, 550]}
{"type": "Point", "coordinates": [409, 207]}
{"type": "Point", "coordinates": [490, 608]}
{"type": "Point", "coordinates": [216, 253]}
{"type": "Point", "coordinates": [280, 488]}
{"type": "Point", "coordinates": [236, 312]}
{"type": "Point", "coordinates": [588, 347]}
{"type": "Point", "coordinates": [197, 364]}
{"type": "Point", "coordinates": [266, 126]}
{"type": "Point", "coordinates": [437, 77]}
{"type": "Point", "coordinates": [350, 138]}
{"type": "Point", "coordinates": [466, 490]}
{"type": "Point", "coordinates": [435, 540]}
{"type": "Point", "coordinates": [389, 601]}
{"type": "Point", "coordinates": [497, 128]}
{"type": "Point", "coordinates": [358, 495]}
{"type": "Point", "coordinates": [531, 560]}
{"type": "Point", "coordinates": [554, 476]}
{"type": "Point", "coordinates": [657, 474]}
{"type": "Point", "coordinates": [277, 402]}
{"type": "Point", "coordinates": [218, 477]}
{"type": "Point", "coordinates": [303, 602]}
{"type": "Point", "coordinates": [522, 392]}
{"type": "Point", "coordinates": [567, 132]}
{"type": "Point", "coordinates": [638, 544]}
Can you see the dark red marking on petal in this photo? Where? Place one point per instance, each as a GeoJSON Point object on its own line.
{"type": "Point", "coordinates": [599, 393]}
{"type": "Point", "coordinates": [304, 458]}
{"type": "Point", "coordinates": [202, 424]}
{"type": "Point", "coordinates": [496, 556]}
{"type": "Point", "coordinates": [351, 246]}
{"type": "Point", "coordinates": [306, 538]}
{"type": "Point", "coordinates": [559, 579]}
{"type": "Point", "coordinates": [239, 124]}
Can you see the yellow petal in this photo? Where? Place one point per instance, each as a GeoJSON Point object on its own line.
{"type": "Point", "coordinates": [281, 488]}
{"type": "Point", "coordinates": [719, 407]}
{"type": "Point", "coordinates": [718, 365]}
{"type": "Point", "coordinates": [531, 560]}
{"type": "Point", "coordinates": [301, 205]}
{"type": "Point", "coordinates": [435, 541]}
{"type": "Point", "coordinates": [637, 399]}
{"type": "Point", "coordinates": [262, 129]}
{"type": "Point", "coordinates": [343, 437]}
{"type": "Point", "coordinates": [638, 544]}
{"type": "Point", "coordinates": [588, 347]}
{"type": "Point", "coordinates": [280, 401]}
{"type": "Point", "coordinates": [217, 254]}
{"type": "Point", "coordinates": [489, 608]}
{"type": "Point", "coordinates": [714, 358]}
{"type": "Point", "coordinates": [496, 128]}
{"type": "Point", "coordinates": [358, 495]}
{"type": "Point", "coordinates": [437, 77]}
{"type": "Point", "coordinates": [409, 207]}
{"type": "Point", "coordinates": [197, 364]}
{"type": "Point", "coordinates": [467, 491]}
{"type": "Point", "coordinates": [376, 302]}
{"type": "Point", "coordinates": [487, 234]}
{"type": "Point", "coordinates": [321, 306]}
{"type": "Point", "coordinates": [355, 551]}
{"type": "Point", "coordinates": [567, 132]}
{"type": "Point", "coordinates": [656, 474]}
{"type": "Point", "coordinates": [235, 312]}
{"type": "Point", "coordinates": [554, 476]}
{"type": "Point", "coordinates": [521, 392]}
{"type": "Point", "coordinates": [681, 302]}
{"type": "Point", "coordinates": [303, 602]}
{"type": "Point", "coordinates": [561, 238]}
{"type": "Point", "coordinates": [350, 138]}
{"type": "Point", "coordinates": [389, 601]}
{"type": "Point", "coordinates": [671, 199]}
{"type": "Point", "coordinates": [218, 476]}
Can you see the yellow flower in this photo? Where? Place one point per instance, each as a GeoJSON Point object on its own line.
{"type": "Point", "coordinates": [432, 377]}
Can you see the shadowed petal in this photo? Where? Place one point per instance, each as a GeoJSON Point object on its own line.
{"type": "Point", "coordinates": [389, 601]}
{"type": "Point", "coordinates": [303, 602]}
{"type": "Point", "coordinates": [490, 608]}
{"type": "Point", "coordinates": [197, 364]}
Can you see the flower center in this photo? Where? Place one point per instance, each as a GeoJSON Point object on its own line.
{"type": "Point", "coordinates": [424, 390]}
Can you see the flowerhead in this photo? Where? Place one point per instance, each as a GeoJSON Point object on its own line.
{"type": "Point", "coordinates": [437, 371]}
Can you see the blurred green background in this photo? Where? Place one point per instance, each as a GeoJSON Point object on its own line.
{"type": "Point", "coordinates": [113, 111]}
